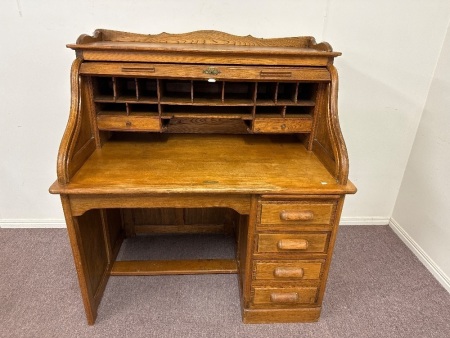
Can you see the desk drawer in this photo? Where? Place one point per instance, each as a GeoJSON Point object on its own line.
{"type": "Point", "coordinates": [282, 125]}
{"type": "Point", "coordinates": [128, 123]}
{"type": "Point", "coordinates": [285, 296]}
{"type": "Point", "coordinates": [293, 243]}
{"type": "Point", "coordinates": [296, 213]}
{"type": "Point", "coordinates": [288, 270]}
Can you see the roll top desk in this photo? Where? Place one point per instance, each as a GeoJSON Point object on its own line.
{"type": "Point", "coordinates": [206, 132]}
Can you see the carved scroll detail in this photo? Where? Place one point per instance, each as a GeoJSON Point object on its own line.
{"type": "Point", "coordinates": [78, 141]}
{"type": "Point", "coordinates": [339, 147]}
{"type": "Point", "coordinates": [73, 126]}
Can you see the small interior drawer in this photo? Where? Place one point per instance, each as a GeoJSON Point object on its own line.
{"type": "Point", "coordinates": [296, 213]}
{"type": "Point", "coordinates": [293, 243]}
{"type": "Point", "coordinates": [282, 125]}
{"type": "Point", "coordinates": [284, 296]}
{"type": "Point", "coordinates": [128, 123]}
{"type": "Point", "coordinates": [288, 270]}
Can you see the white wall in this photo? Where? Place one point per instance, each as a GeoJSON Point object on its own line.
{"type": "Point", "coordinates": [422, 210]}
{"type": "Point", "coordinates": [390, 49]}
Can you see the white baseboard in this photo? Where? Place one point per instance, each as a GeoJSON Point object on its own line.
{"type": "Point", "coordinates": [426, 260]}
{"type": "Point", "coordinates": [32, 223]}
{"type": "Point", "coordinates": [364, 221]}
{"type": "Point", "coordinates": [59, 223]}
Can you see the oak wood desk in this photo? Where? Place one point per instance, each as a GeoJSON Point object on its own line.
{"type": "Point", "coordinates": [206, 132]}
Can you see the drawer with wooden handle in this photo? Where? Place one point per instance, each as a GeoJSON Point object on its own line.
{"type": "Point", "coordinates": [282, 125]}
{"type": "Point", "coordinates": [128, 123]}
{"type": "Point", "coordinates": [293, 243]}
{"type": "Point", "coordinates": [284, 296]}
{"type": "Point", "coordinates": [288, 270]}
{"type": "Point", "coordinates": [296, 213]}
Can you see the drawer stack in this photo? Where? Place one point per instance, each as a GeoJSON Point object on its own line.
{"type": "Point", "coordinates": [292, 242]}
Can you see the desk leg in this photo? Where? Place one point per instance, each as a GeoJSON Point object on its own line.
{"type": "Point", "coordinates": [92, 254]}
{"type": "Point", "coordinates": [246, 233]}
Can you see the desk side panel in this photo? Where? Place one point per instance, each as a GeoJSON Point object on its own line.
{"type": "Point", "coordinates": [328, 143]}
{"type": "Point", "coordinates": [78, 141]}
{"type": "Point", "coordinates": [91, 255]}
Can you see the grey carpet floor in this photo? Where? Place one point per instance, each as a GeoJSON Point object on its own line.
{"type": "Point", "coordinates": [376, 288]}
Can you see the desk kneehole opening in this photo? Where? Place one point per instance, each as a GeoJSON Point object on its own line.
{"type": "Point", "coordinates": [292, 244]}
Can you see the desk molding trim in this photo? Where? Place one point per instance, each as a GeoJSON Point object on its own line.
{"type": "Point", "coordinates": [175, 267]}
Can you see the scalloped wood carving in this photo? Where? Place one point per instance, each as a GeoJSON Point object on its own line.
{"type": "Point", "coordinates": [203, 37]}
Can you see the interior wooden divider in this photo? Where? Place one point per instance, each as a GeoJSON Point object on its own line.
{"type": "Point", "coordinates": [275, 97]}
{"type": "Point", "coordinates": [296, 92]}
{"type": "Point", "coordinates": [223, 92]}
{"type": "Point", "coordinates": [136, 83]}
{"type": "Point", "coordinates": [114, 88]}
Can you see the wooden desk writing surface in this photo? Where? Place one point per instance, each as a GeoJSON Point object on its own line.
{"type": "Point", "coordinates": [206, 132]}
{"type": "Point", "coordinates": [203, 163]}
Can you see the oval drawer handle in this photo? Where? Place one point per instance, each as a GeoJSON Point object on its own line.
{"type": "Point", "coordinates": [281, 272]}
{"type": "Point", "coordinates": [291, 297]}
{"type": "Point", "coordinates": [306, 215]}
{"type": "Point", "coordinates": [292, 244]}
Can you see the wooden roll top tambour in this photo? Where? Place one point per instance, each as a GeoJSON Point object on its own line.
{"type": "Point", "coordinates": [206, 132]}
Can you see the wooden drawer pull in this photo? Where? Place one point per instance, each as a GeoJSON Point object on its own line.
{"type": "Point", "coordinates": [281, 272]}
{"type": "Point", "coordinates": [275, 74]}
{"type": "Point", "coordinates": [291, 297]}
{"type": "Point", "coordinates": [306, 215]}
{"type": "Point", "coordinates": [292, 244]}
{"type": "Point", "coordinates": [139, 69]}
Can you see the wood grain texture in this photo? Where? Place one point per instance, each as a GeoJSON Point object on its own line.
{"type": "Point", "coordinates": [72, 128]}
{"type": "Point", "coordinates": [329, 144]}
{"type": "Point", "coordinates": [197, 37]}
{"type": "Point", "coordinates": [81, 203]}
{"type": "Point", "coordinates": [203, 164]}
{"type": "Point", "coordinates": [90, 254]}
{"type": "Point", "coordinates": [90, 306]}
{"type": "Point", "coordinates": [293, 243]}
{"type": "Point", "coordinates": [282, 125]}
{"type": "Point", "coordinates": [202, 47]}
{"type": "Point", "coordinates": [203, 37]}
{"type": "Point", "coordinates": [319, 213]}
{"type": "Point", "coordinates": [292, 296]}
{"type": "Point", "coordinates": [288, 270]}
{"type": "Point", "coordinates": [280, 315]}
{"type": "Point", "coordinates": [339, 148]}
{"type": "Point", "coordinates": [132, 123]}
{"type": "Point", "coordinates": [169, 71]}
